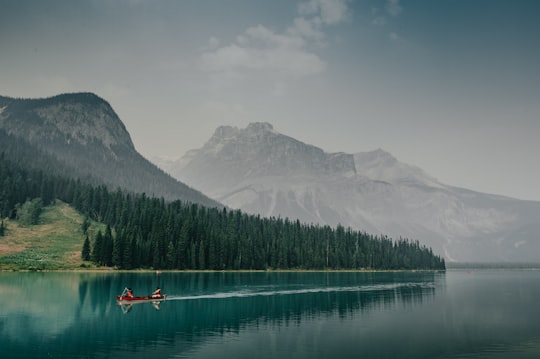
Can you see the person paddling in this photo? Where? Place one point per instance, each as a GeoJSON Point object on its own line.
{"type": "Point", "coordinates": [156, 293]}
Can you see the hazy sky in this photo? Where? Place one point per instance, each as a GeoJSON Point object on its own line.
{"type": "Point", "coordinates": [452, 86]}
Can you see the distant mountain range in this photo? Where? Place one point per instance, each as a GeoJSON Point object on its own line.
{"type": "Point", "coordinates": [261, 171]}
{"type": "Point", "coordinates": [79, 135]}
{"type": "Point", "coordinates": [264, 172]}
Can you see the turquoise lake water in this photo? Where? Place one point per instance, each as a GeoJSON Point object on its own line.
{"type": "Point", "coordinates": [457, 314]}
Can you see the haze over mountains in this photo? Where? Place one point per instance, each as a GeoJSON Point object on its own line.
{"type": "Point", "coordinates": [80, 135]}
{"type": "Point", "coordinates": [261, 171]}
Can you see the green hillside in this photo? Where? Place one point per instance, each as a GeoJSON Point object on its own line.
{"type": "Point", "coordinates": [54, 243]}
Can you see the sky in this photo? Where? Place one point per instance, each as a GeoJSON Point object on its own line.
{"type": "Point", "coordinates": [452, 87]}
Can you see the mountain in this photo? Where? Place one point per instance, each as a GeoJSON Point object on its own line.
{"type": "Point", "coordinates": [80, 135]}
{"type": "Point", "coordinates": [262, 171]}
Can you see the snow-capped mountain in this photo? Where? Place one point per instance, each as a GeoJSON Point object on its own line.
{"type": "Point", "coordinates": [261, 171]}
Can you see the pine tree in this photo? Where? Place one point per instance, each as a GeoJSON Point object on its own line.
{"type": "Point", "coordinates": [118, 250]}
{"type": "Point", "coordinates": [85, 253]}
{"type": "Point", "coordinates": [98, 248]}
{"type": "Point", "coordinates": [2, 228]}
{"type": "Point", "coordinates": [85, 225]}
{"type": "Point", "coordinates": [202, 255]}
{"type": "Point", "coordinates": [128, 261]}
{"type": "Point", "coordinates": [108, 246]}
{"type": "Point", "coordinates": [170, 256]}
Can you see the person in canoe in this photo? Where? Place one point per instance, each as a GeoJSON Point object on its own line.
{"type": "Point", "coordinates": [156, 293]}
{"type": "Point", "coordinates": [129, 293]}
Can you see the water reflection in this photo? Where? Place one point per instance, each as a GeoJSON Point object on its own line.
{"type": "Point", "coordinates": [126, 307]}
{"type": "Point", "coordinates": [76, 315]}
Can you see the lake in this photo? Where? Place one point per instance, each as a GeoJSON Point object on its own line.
{"type": "Point", "coordinates": [457, 314]}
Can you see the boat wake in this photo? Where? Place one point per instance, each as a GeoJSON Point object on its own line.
{"type": "Point", "coordinates": [255, 292]}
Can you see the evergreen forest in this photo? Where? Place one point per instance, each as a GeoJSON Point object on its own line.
{"type": "Point", "coordinates": [148, 232]}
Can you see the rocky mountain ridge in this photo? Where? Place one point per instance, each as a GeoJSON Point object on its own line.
{"type": "Point", "coordinates": [81, 117]}
{"type": "Point", "coordinates": [81, 136]}
{"type": "Point", "coordinates": [261, 171]}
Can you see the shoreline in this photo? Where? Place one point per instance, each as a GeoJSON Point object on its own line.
{"type": "Point", "coordinates": [159, 272]}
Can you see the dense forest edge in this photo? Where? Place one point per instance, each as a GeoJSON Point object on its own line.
{"type": "Point", "coordinates": [142, 232]}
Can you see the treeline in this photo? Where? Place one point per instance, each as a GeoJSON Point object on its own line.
{"type": "Point", "coordinates": [145, 232]}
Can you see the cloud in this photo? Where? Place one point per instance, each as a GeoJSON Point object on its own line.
{"type": "Point", "coordinates": [393, 36]}
{"type": "Point", "coordinates": [307, 29]}
{"type": "Point", "coordinates": [287, 60]}
{"type": "Point", "coordinates": [393, 7]}
{"type": "Point", "coordinates": [330, 12]}
{"type": "Point", "coordinates": [285, 53]}
{"type": "Point", "coordinates": [213, 42]}
{"type": "Point", "coordinates": [379, 21]}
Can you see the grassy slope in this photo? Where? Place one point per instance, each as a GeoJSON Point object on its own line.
{"type": "Point", "coordinates": [55, 243]}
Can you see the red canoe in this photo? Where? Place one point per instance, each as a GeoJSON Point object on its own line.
{"type": "Point", "coordinates": [148, 298]}
{"type": "Point", "coordinates": [124, 297]}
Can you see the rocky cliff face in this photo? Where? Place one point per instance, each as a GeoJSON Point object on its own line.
{"type": "Point", "coordinates": [82, 132]}
{"type": "Point", "coordinates": [83, 117]}
{"type": "Point", "coordinates": [261, 171]}
{"type": "Point", "coordinates": [257, 152]}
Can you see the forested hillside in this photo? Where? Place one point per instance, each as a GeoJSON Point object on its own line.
{"type": "Point", "coordinates": [81, 136]}
{"type": "Point", "coordinates": [144, 232]}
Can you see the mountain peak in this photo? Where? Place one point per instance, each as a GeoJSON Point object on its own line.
{"type": "Point", "coordinates": [82, 117]}
{"type": "Point", "coordinates": [85, 97]}
{"type": "Point", "coordinates": [89, 98]}
{"type": "Point", "coordinates": [227, 132]}
{"type": "Point", "coordinates": [259, 127]}
{"type": "Point", "coordinates": [258, 151]}
{"type": "Point", "coordinates": [378, 156]}
{"type": "Point", "coordinates": [79, 135]}
{"type": "Point", "coordinates": [379, 165]}
{"type": "Point", "coordinates": [379, 152]}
